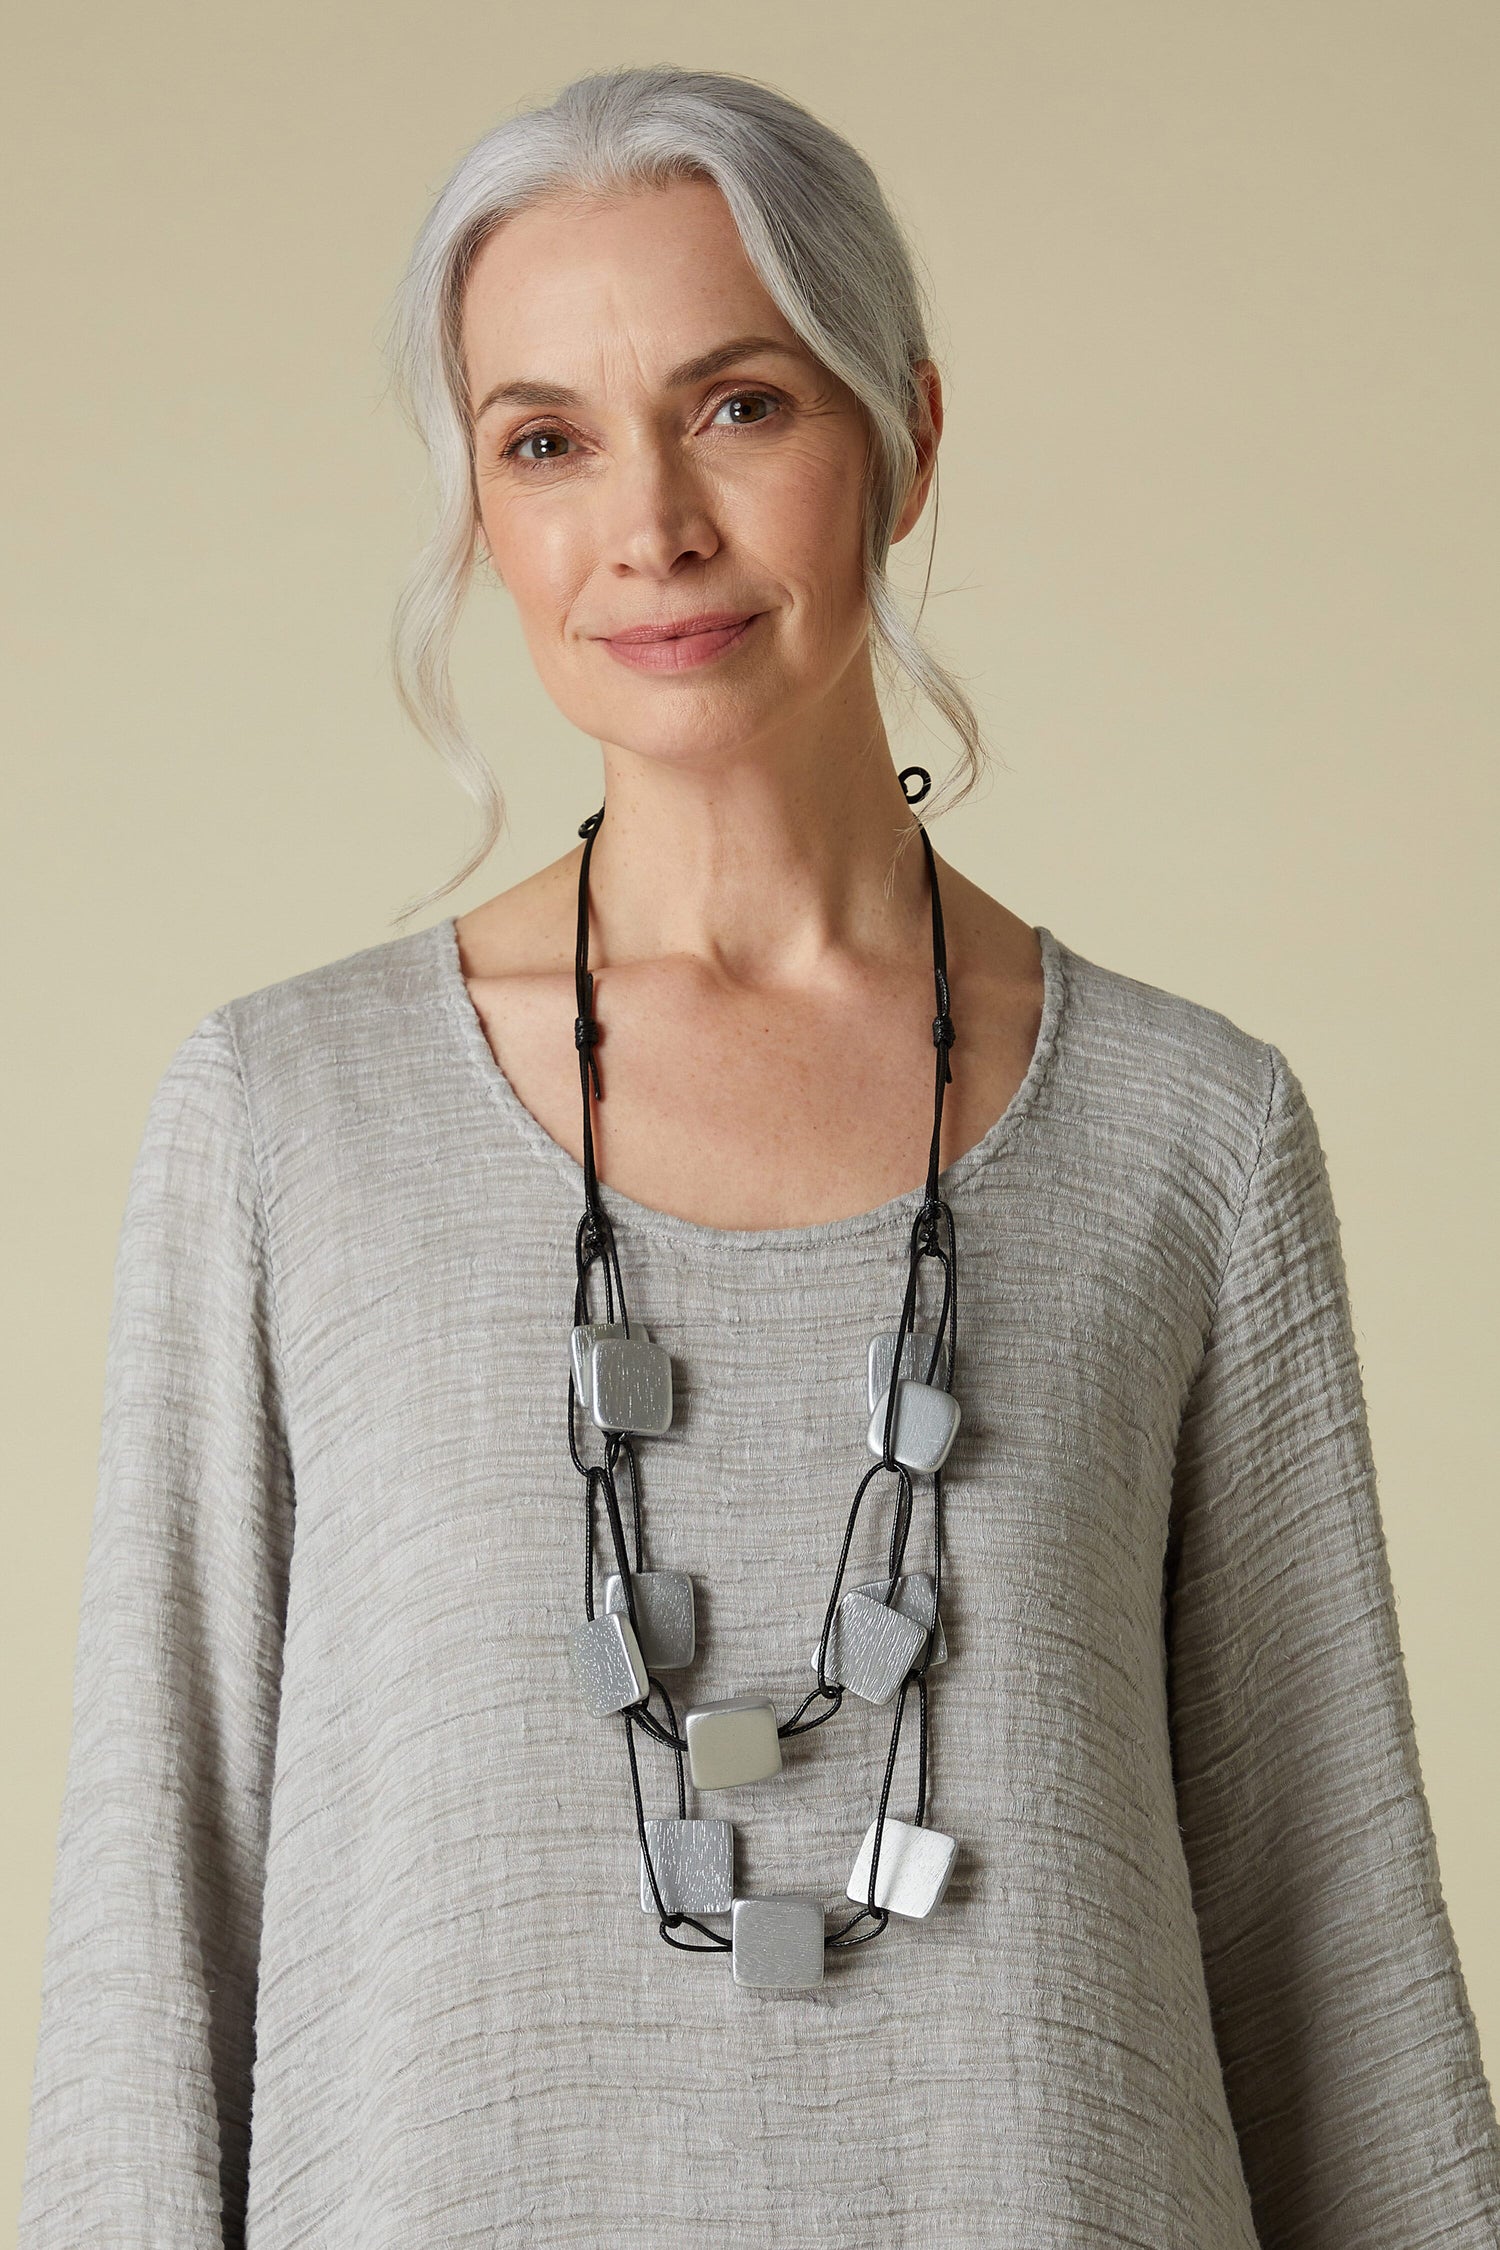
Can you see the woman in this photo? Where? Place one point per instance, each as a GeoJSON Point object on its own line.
{"type": "Point", "coordinates": [981, 1808]}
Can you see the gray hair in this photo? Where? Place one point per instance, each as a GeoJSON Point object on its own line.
{"type": "Point", "coordinates": [819, 233]}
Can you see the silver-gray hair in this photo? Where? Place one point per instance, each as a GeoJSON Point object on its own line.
{"type": "Point", "coordinates": [819, 233]}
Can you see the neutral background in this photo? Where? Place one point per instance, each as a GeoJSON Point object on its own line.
{"type": "Point", "coordinates": [1217, 551]}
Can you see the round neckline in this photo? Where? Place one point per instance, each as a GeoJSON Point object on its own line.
{"type": "Point", "coordinates": [671, 1226]}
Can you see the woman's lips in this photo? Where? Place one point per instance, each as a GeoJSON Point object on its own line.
{"type": "Point", "coordinates": [681, 652]}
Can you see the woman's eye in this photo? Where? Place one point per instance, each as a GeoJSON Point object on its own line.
{"type": "Point", "coordinates": [535, 437]}
{"type": "Point", "coordinates": [753, 398]}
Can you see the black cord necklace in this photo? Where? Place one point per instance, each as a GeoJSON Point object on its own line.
{"type": "Point", "coordinates": [877, 1640]}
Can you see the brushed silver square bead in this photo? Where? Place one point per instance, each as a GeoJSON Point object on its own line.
{"type": "Point", "coordinates": [916, 1596]}
{"type": "Point", "coordinates": [663, 1615]}
{"type": "Point", "coordinates": [871, 1647]}
{"type": "Point", "coordinates": [778, 1941]}
{"type": "Point", "coordinates": [630, 1384]}
{"type": "Point", "coordinates": [913, 1597]}
{"type": "Point", "coordinates": [732, 1741]}
{"type": "Point", "coordinates": [607, 1663]}
{"type": "Point", "coordinates": [925, 1426]}
{"type": "Point", "coordinates": [915, 1864]}
{"type": "Point", "coordinates": [583, 1340]}
{"type": "Point", "coordinates": [694, 1863]}
{"type": "Point", "coordinates": [914, 1358]}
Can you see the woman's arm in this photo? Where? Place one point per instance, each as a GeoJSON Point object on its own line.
{"type": "Point", "coordinates": [140, 2117]}
{"type": "Point", "coordinates": [1350, 2056]}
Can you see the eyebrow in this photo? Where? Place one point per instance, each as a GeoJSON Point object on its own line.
{"type": "Point", "coordinates": [525, 392]}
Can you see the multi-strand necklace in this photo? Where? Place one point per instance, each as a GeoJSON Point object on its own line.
{"type": "Point", "coordinates": [877, 1640]}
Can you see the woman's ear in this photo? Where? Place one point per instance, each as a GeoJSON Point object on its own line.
{"type": "Point", "coordinates": [926, 431]}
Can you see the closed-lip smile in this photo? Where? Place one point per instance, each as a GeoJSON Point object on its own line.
{"type": "Point", "coordinates": [681, 644]}
{"type": "Point", "coordinates": [708, 621]}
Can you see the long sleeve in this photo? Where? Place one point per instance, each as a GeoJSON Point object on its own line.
{"type": "Point", "coordinates": [1350, 2055]}
{"type": "Point", "coordinates": [140, 2105]}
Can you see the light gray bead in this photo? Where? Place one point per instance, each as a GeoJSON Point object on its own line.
{"type": "Point", "coordinates": [913, 1597]}
{"type": "Point", "coordinates": [778, 1941]}
{"type": "Point", "coordinates": [914, 1358]}
{"type": "Point", "coordinates": [694, 1863]}
{"type": "Point", "coordinates": [915, 1864]}
{"type": "Point", "coordinates": [584, 1338]}
{"type": "Point", "coordinates": [925, 1426]}
{"type": "Point", "coordinates": [608, 1666]}
{"type": "Point", "coordinates": [663, 1615]}
{"type": "Point", "coordinates": [872, 1647]}
{"type": "Point", "coordinates": [630, 1385]}
{"type": "Point", "coordinates": [732, 1741]}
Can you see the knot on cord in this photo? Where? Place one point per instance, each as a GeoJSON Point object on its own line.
{"type": "Point", "coordinates": [942, 1039]}
{"type": "Point", "coordinates": [585, 1039]}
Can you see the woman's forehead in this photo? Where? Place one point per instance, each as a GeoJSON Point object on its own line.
{"type": "Point", "coordinates": [636, 287]}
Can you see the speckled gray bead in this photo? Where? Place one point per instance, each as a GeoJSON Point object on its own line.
{"type": "Point", "coordinates": [876, 1646]}
{"type": "Point", "coordinates": [607, 1663]}
{"type": "Point", "coordinates": [630, 1382]}
{"type": "Point", "coordinates": [663, 1615]}
{"type": "Point", "coordinates": [583, 1340]}
{"type": "Point", "coordinates": [913, 1596]}
{"type": "Point", "coordinates": [694, 1864]}
{"type": "Point", "coordinates": [914, 1358]}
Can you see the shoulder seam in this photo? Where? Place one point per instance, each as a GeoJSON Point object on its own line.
{"type": "Point", "coordinates": [1260, 1149]}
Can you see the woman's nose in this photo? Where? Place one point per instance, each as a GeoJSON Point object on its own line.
{"type": "Point", "coordinates": [657, 511]}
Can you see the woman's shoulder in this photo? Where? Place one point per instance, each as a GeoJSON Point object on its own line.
{"type": "Point", "coordinates": [1147, 1060]}
{"type": "Point", "coordinates": [366, 1027]}
{"type": "Point", "coordinates": [358, 991]}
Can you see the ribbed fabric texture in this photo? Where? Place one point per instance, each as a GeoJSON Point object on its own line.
{"type": "Point", "coordinates": [346, 1949]}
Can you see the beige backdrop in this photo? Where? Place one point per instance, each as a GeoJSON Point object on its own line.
{"type": "Point", "coordinates": [1217, 304]}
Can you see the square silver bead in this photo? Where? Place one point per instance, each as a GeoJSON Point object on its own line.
{"type": "Point", "coordinates": [915, 1864]}
{"type": "Point", "coordinates": [913, 1597]}
{"type": "Point", "coordinates": [925, 1426]}
{"type": "Point", "coordinates": [694, 1864]}
{"type": "Point", "coordinates": [630, 1385]}
{"type": "Point", "coordinates": [663, 1615]}
{"type": "Point", "coordinates": [732, 1741]}
{"type": "Point", "coordinates": [914, 1358]}
{"type": "Point", "coordinates": [607, 1663]}
{"type": "Point", "coordinates": [583, 1340]}
{"type": "Point", "coordinates": [778, 1941]}
{"type": "Point", "coordinates": [872, 1647]}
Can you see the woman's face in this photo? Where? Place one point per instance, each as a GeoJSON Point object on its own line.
{"type": "Point", "coordinates": [653, 446]}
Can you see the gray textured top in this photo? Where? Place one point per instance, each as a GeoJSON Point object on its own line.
{"type": "Point", "coordinates": [346, 1947]}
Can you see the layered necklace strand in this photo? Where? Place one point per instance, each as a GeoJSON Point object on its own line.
{"type": "Point", "coordinates": [877, 1641]}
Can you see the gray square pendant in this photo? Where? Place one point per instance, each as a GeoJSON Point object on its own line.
{"type": "Point", "coordinates": [915, 1864]}
{"type": "Point", "coordinates": [732, 1741]}
{"type": "Point", "coordinates": [778, 1941]}
{"type": "Point", "coordinates": [871, 1647]}
{"type": "Point", "coordinates": [584, 1338]}
{"type": "Point", "coordinates": [608, 1667]}
{"type": "Point", "coordinates": [630, 1382]}
{"type": "Point", "coordinates": [914, 1358]}
{"type": "Point", "coordinates": [925, 1426]}
{"type": "Point", "coordinates": [913, 1597]}
{"type": "Point", "coordinates": [663, 1614]}
{"type": "Point", "coordinates": [694, 1864]}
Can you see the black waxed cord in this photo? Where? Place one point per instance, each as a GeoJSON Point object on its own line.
{"type": "Point", "coordinates": [932, 1237]}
